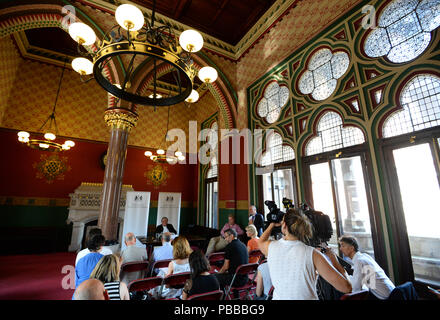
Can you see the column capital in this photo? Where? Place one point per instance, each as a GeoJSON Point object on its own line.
{"type": "Point", "coordinates": [120, 118]}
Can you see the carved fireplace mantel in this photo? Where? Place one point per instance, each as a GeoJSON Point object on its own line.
{"type": "Point", "coordinates": [84, 207]}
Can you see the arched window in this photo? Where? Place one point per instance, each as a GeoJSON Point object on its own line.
{"type": "Point", "coordinates": [403, 31]}
{"type": "Point", "coordinates": [331, 135]}
{"type": "Point", "coordinates": [275, 151]}
{"type": "Point", "coordinates": [323, 70]}
{"type": "Point", "coordinates": [274, 99]}
{"type": "Point", "coordinates": [212, 137]}
{"type": "Point", "coordinates": [420, 101]}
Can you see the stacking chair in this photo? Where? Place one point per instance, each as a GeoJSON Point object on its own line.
{"type": "Point", "coordinates": [244, 269]}
{"type": "Point", "coordinates": [359, 295]}
{"type": "Point", "coordinates": [215, 259]}
{"type": "Point", "coordinates": [134, 267]}
{"type": "Point", "coordinates": [256, 253]}
{"type": "Point", "coordinates": [176, 280]}
{"type": "Point", "coordinates": [270, 293]}
{"type": "Point", "coordinates": [159, 264]}
{"type": "Point", "coordinates": [213, 295]}
{"type": "Point", "coordinates": [144, 284]}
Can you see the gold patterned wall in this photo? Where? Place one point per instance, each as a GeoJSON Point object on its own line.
{"type": "Point", "coordinates": [9, 62]}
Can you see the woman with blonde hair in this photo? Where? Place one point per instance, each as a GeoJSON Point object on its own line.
{"type": "Point", "coordinates": [298, 281]}
{"type": "Point", "coordinates": [181, 252]}
{"type": "Point", "coordinates": [252, 244]}
{"type": "Point", "coordinates": [107, 271]}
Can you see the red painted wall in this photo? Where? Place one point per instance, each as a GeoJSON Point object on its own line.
{"type": "Point", "coordinates": [18, 177]}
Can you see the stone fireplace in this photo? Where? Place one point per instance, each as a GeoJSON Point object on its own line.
{"type": "Point", "coordinates": [84, 210]}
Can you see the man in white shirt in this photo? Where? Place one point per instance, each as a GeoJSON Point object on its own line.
{"type": "Point", "coordinates": [366, 272]}
{"type": "Point", "coordinates": [104, 250]}
{"type": "Point", "coordinates": [164, 252]}
{"type": "Point", "coordinates": [132, 253]}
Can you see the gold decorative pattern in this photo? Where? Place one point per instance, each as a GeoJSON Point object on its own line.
{"type": "Point", "coordinates": [157, 175]}
{"type": "Point", "coordinates": [51, 167]}
{"type": "Point", "coordinates": [119, 119]}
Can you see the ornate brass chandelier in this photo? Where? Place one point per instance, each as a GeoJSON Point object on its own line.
{"type": "Point", "coordinates": [150, 51]}
{"type": "Point", "coordinates": [48, 143]}
{"type": "Point", "coordinates": [163, 156]}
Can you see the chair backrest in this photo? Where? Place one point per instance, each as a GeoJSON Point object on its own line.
{"type": "Point", "coordinates": [359, 295]}
{"type": "Point", "coordinates": [160, 264]}
{"type": "Point", "coordinates": [216, 256]}
{"type": "Point", "coordinates": [177, 279]}
{"type": "Point", "coordinates": [144, 284]}
{"type": "Point", "coordinates": [246, 268]}
{"type": "Point", "coordinates": [270, 293]}
{"type": "Point", "coordinates": [213, 295]}
{"type": "Point", "coordinates": [255, 253]}
{"type": "Point", "coordinates": [134, 266]}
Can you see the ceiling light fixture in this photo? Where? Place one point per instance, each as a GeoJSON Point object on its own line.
{"type": "Point", "coordinates": [163, 156]}
{"type": "Point", "coordinates": [141, 47]}
{"type": "Point", "coordinates": [48, 143]}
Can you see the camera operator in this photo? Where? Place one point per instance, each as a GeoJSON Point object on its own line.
{"type": "Point", "coordinates": [298, 281]}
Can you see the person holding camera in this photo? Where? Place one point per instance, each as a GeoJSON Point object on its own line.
{"type": "Point", "coordinates": [298, 281]}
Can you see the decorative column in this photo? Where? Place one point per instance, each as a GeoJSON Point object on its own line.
{"type": "Point", "coordinates": [120, 122]}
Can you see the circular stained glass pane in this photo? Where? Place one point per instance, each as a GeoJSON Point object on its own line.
{"type": "Point", "coordinates": [273, 116]}
{"type": "Point", "coordinates": [325, 90]}
{"type": "Point", "coordinates": [377, 43]}
{"type": "Point", "coordinates": [284, 95]}
{"type": "Point", "coordinates": [305, 83]}
{"type": "Point", "coordinates": [262, 108]}
{"type": "Point", "coordinates": [396, 10]}
{"type": "Point", "coordinates": [271, 89]}
{"type": "Point", "coordinates": [322, 74]}
{"type": "Point", "coordinates": [410, 49]}
{"type": "Point", "coordinates": [428, 12]}
{"type": "Point", "coordinates": [319, 58]}
{"type": "Point", "coordinates": [340, 62]}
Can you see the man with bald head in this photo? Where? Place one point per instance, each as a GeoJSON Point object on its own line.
{"type": "Point", "coordinates": [132, 253]}
{"type": "Point", "coordinates": [91, 289]}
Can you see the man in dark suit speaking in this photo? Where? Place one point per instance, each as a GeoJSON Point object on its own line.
{"type": "Point", "coordinates": [165, 227]}
{"type": "Point", "coordinates": [256, 219]}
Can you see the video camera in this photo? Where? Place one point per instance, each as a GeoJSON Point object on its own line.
{"type": "Point", "coordinates": [321, 224]}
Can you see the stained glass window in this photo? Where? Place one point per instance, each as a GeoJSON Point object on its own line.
{"type": "Point", "coordinates": [274, 99]}
{"type": "Point", "coordinates": [323, 70]}
{"type": "Point", "coordinates": [276, 152]}
{"type": "Point", "coordinates": [403, 31]}
{"type": "Point", "coordinates": [420, 100]}
{"type": "Point", "coordinates": [212, 136]}
{"type": "Point", "coordinates": [331, 135]}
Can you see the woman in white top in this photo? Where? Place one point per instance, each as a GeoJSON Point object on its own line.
{"type": "Point", "coordinates": [294, 266]}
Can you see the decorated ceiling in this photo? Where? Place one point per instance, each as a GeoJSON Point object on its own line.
{"type": "Point", "coordinates": [28, 85]}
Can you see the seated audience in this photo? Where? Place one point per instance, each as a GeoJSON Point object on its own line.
{"type": "Point", "coordinates": [366, 272]}
{"type": "Point", "coordinates": [219, 243]}
{"type": "Point", "coordinates": [87, 263]}
{"type": "Point", "coordinates": [264, 283]}
{"type": "Point", "coordinates": [104, 250]}
{"type": "Point", "coordinates": [201, 280]}
{"type": "Point", "coordinates": [236, 254]}
{"type": "Point", "coordinates": [165, 227]}
{"type": "Point", "coordinates": [107, 271]}
{"type": "Point", "coordinates": [298, 281]}
{"type": "Point", "coordinates": [256, 219]}
{"type": "Point", "coordinates": [165, 251]}
{"type": "Point", "coordinates": [252, 244]}
{"type": "Point", "coordinates": [132, 253]}
{"type": "Point", "coordinates": [91, 289]}
{"type": "Point", "coordinates": [179, 264]}
{"type": "Point", "coordinates": [181, 252]}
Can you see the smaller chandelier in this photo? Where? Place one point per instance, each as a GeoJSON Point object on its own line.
{"type": "Point", "coordinates": [48, 143]}
{"type": "Point", "coordinates": [161, 155]}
